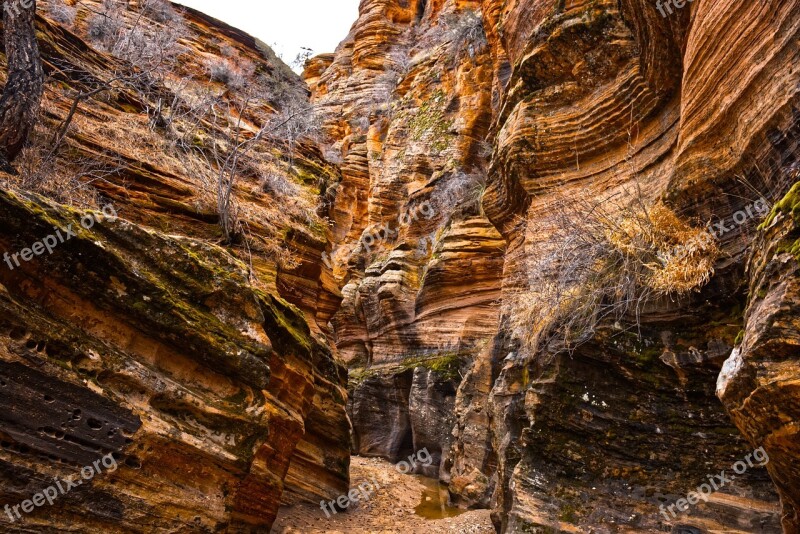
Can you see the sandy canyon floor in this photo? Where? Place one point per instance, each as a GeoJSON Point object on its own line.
{"type": "Point", "coordinates": [391, 509]}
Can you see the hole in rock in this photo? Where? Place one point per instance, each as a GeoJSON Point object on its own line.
{"type": "Point", "coordinates": [17, 334]}
{"type": "Point", "coordinates": [94, 424]}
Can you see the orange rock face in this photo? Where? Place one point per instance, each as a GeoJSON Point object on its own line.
{"type": "Point", "coordinates": [538, 103]}
{"type": "Point", "coordinates": [102, 355]}
{"type": "Point", "coordinates": [408, 107]}
{"type": "Point", "coordinates": [148, 338]}
{"type": "Point", "coordinates": [407, 99]}
{"type": "Point", "coordinates": [758, 383]}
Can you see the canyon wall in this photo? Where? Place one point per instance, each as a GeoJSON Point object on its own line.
{"type": "Point", "coordinates": [408, 100]}
{"type": "Point", "coordinates": [156, 351]}
{"type": "Point", "coordinates": [529, 106]}
{"type": "Point", "coordinates": [148, 337]}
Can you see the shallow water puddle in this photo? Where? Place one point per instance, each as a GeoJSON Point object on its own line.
{"type": "Point", "coordinates": [434, 501]}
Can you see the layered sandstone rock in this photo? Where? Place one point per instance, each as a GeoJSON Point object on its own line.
{"type": "Point", "coordinates": [457, 129]}
{"type": "Point", "coordinates": [758, 383]}
{"type": "Point", "coordinates": [146, 169]}
{"type": "Point", "coordinates": [408, 101]}
{"type": "Point", "coordinates": [187, 358]}
{"type": "Point", "coordinates": [551, 102]}
{"type": "Point", "coordinates": [605, 124]}
{"type": "Point", "coordinates": [155, 349]}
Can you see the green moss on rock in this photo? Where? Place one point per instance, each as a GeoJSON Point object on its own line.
{"type": "Point", "coordinates": [431, 120]}
{"type": "Point", "coordinates": [446, 364]}
{"type": "Point", "coordinates": [788, 205]}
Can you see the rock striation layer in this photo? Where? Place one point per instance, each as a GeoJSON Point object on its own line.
{"type": "Point", "coordinates": [416, 262]}
{"type": "Point", "coordinates": [460, 136]}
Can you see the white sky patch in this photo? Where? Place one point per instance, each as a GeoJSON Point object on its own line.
{"type": "Point", "coordinates": [286, 25]}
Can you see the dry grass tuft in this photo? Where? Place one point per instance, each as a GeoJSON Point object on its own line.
{"type": "Point", "coordinates": [604, 263]}
{"type": "Point", "coordinates": [677, 257]}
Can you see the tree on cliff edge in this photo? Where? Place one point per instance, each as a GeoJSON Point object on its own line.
{"type": "Point", "coordinates": [22, 95]}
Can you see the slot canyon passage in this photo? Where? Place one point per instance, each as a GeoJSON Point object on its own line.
{"type": "Point", "coordinates": [515, 266]}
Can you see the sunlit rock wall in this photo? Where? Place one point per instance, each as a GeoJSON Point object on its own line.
{"type": "Point", "coordinates": [551, 101]}
{"type": "Point", "coordinates": [192, 363]}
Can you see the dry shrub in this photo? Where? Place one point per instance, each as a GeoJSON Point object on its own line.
{"type": "Point", "coordinates": [230, 69]}
{"type": "Point", "coordinates": [399, 61]}
{"type": "Point", "coordinates": [460, 195]}
{"type": "Point", "coordinates": [158, 10]}
{"type": "Point", "coordinates": [148, 48]}
{"type": "Point", "coordinates": [465, 33]}
{"type": "Point", "coordinates": [148, 39]}
{"type": "Point", "coordinates": [232, 73]}
{"type": "Point", "coordinates": [228, 51]}
{"type": "Point", "coordinates": [685, 255]}
{"type": "Point", "coordinates": [62, 13]}
{"type": "Point", "coordinates": [297, 121]}
{"type": "Point", "coordinates": [279, 186]}
{"type": "Point", "coordinates": [69, 181]}
{"type": "Point", "coordinates": [302, 58]}
{"type": "Point", "coordinates": [104, 28]}
{"type": "Point", "coordinates": [604, 262]}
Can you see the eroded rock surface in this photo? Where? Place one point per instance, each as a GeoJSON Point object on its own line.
{"type": "Point", "coordinates": [379, 412]}
{"type": "Point", "coordinates": [458, 127]}
{"type": "Point", "coordinates": [196, 362]}
{"type": "Point", "coordinates": [156, 350]}
{"type": "Point", "coordinates": [408, 99]}
{"type": "Point", "coordinates": [758, 384]}
{"type": "Point", "coordinates": [549, 102]}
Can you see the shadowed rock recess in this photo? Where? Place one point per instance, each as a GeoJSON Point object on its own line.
{"type": "Point", "coordinates": [375, 303]}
